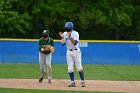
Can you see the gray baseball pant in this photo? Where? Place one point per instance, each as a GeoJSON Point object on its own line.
{"type": "Point", "coordinates": [43, 60]}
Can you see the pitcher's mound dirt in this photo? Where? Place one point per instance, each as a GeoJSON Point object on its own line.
{"type": "Point", "coordinates": [59, 84]}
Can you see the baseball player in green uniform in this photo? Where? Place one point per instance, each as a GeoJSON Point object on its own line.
{"type": "Point", "coordinates": [46, 48]}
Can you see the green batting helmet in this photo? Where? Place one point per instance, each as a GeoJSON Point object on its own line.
{"type": "Point", "coordinates": [46, 32]}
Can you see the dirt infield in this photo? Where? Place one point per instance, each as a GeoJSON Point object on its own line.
{"type": "Point", "coordinates": [59, 84]}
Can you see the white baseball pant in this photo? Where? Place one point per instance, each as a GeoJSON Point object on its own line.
{"type": "Point", "coordinates": [74, 58]}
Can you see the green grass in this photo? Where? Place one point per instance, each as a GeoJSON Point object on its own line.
{"type": "Point", "coordinates": [8, 90]}
{"type": "Point", "coordinates": [92, 72]}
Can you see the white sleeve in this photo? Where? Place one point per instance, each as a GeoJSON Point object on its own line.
{"type": "Point", "coordinates": [75, 36]}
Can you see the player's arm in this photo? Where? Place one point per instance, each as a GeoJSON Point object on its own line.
{"type": "Point", "coordinates": [51, 47]}
{"type": "Point", "coordinates": [52, 43]}
{"type": "Point", "coordinates": [62, 38]}
{"type": "Point", "coordinates": [40, 45]}
{"type": "Point", "coordinates": [75, 39]}
{"type": "Point", "coordinates": [72, 40]}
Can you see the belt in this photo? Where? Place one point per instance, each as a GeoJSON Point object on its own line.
{"type": "Point", "coordinates": [72, 49]}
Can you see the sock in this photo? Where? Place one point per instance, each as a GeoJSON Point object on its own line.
{"type": "Point", "coordinates": [71, 76]}
{"type": "Point", "coordinates": [81, 73]}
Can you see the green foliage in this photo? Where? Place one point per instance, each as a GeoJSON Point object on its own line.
{"type": "Point", "coordinates": [27, 18]}
{"type": "Point", "coordinates": [13, 23]}
{"type": "Point", "coordinates": [136, 19]}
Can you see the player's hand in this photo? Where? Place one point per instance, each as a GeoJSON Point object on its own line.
{"type": "Point", "coordinates": [69, 34]}
{"type": "Point", "coordinates": [45, 49]}
{"type": "Point", "coordinates": [51, 49]}
{"type": "Point", "coordinates": [61, 34]}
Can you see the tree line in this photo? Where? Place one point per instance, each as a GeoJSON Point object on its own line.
{"type": "Point", "coordinates": [93, 19]}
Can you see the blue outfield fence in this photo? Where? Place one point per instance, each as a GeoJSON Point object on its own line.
{"type": "Point", "coordinates": [93, 52]}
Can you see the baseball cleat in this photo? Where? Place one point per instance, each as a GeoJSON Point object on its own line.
{"type": "Point", "coordinates": [49, 81]}
{"type": "Point", "coordinates": [41, 79]}
{"type": "Point", "coordinates": [72, 84]}
{"type": "Point", "coordinates": [83, 84]}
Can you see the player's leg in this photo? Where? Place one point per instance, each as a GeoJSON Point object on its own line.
{"type": "Point", "coordinates": [49, 68]}
{"type": "Point", "coordinates": [78, 63]}
{"type": "Point", "coordinates": [70, 63]}
{"type": "Point", "coordinates": [42, 62]}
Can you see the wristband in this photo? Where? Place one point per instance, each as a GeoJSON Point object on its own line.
{"type": "Point", "coordinates": [42, 49]}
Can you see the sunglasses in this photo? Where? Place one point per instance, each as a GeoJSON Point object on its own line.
{"type": "Point", "coordinates": [68, 29]}
{"type": "Point", "coordinates": [45, 35]}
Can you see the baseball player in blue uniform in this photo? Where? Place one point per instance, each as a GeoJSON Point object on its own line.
{"type": "Point", "coordinates": [73, 55]}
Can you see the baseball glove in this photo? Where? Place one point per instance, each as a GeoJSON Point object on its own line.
{"type": "Point", "coordinates": [48, 49]}
{"type": "Point", "coordinates": [51, 49]}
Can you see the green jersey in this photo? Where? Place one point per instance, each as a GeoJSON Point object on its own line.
{"type": "Point", "coordinates": [43, 43]}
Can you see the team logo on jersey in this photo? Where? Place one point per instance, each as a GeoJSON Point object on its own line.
{"type": "Point", "coordinates": [44, 45]}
